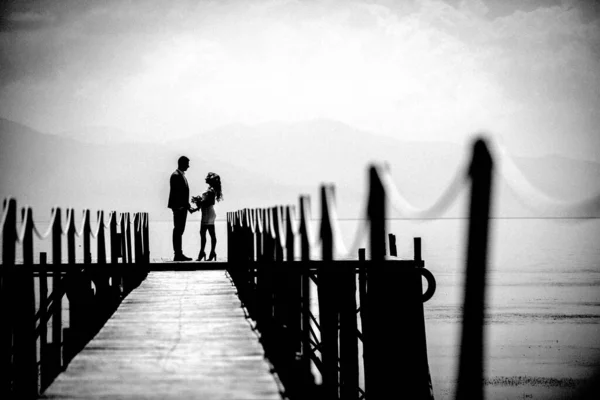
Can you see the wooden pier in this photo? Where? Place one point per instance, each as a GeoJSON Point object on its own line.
{"type": "Point", "coordinates": [138, 329]}
{"type": "Point", "coordinates": [179, 335]}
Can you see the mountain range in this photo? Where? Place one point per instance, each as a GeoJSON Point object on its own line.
{"type": "Point", "coordinates": [260, 166]}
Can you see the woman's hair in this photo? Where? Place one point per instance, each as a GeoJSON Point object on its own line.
{"type": "Point", "coordinates": [214, 180]}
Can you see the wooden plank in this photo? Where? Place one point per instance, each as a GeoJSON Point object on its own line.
{"type": "Point", "coordinates": [178, 335]}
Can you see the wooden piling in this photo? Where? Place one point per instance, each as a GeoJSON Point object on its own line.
{"type": "Point", "coordinates": [45, 351]}
{"type": "Point", "coordinates": [470, 373]}
{"type": "Point", "coordinates": [57, 291]}
{"type": "Point", "coordinates": [328, 313]}
{"type": "Point", "coordinates": [24, 340]}
{"type": "Point", "coordinates": [305, 368]}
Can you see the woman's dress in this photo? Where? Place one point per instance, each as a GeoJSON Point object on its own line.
{"type": "Point", "coordinates": [208, 209]}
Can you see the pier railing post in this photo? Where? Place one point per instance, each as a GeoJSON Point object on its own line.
{"type": "Point", "coordinates": [57, 292]}
{"type": "Point", "coordinates": [305, 293]}
{"type": "Point", "coordinates": [115, 245]}
{"type": "Point", "coordinates": [45, 365]}
{"type": "Point", "coordinates": [9, 246]}
{"type": "Point", "coordinates": [328, 310]}
{"type": "Point", "coordinates": [396, 289]}
{"type": "Point", "coordinates": [293, 287]}
{"type": "Point", "coordinates": [87, 246]}
{"type": "Point", "coordinates": [146, 240]}
{"type": "Point", "coordinates": [102, 277]}
{"type": "Point", "coordinates": [375, 382]}
{"type": "Point", "coordinates": [24, 340]}
{"type": "Point", "coordinates": [100, 237]}
{"type": "Point", "coordinates": [78, 287]}
{"type": "Point", "coordinates": [470, 373]}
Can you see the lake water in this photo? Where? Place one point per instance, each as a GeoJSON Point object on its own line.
{"type": "Point", "coordinates": [543, 298]}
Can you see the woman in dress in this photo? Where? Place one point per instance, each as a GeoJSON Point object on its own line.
{"type": "Point", "coordinates": [206, 203]}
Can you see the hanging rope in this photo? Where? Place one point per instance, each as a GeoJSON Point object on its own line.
{"type": "Point", "coordinates": [44, 235]}
{"type": "Point", "coordinates": [111, 215]}
{"type": "Point", "coordinates": [79, 233]}
{"type": "Point", "coordinates": [407, 210]}
{"type": "Point", "coordinates": [94, 232]}
{"type": "Point", "coordinates": [314, 240]}
{"type": "Point", "coordinates": [281, 231]}
{"type": "Point", "coordinates": [4, 214]}
{"type": "Point", "coordinates": [340, 249]}
{"type": "Point", "coordinates": [533, 198]}
{"type": "Point", "coordinates": [22, 231]}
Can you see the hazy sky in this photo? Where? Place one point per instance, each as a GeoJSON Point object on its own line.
{"type": "Point", "coordinates": [527, 70]}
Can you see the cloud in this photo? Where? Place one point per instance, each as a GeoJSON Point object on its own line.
{"type": "Point", "coordinates": [430, 68]}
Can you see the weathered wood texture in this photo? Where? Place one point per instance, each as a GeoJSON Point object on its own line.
{"type": "Point", "coordinates": [179, 335]}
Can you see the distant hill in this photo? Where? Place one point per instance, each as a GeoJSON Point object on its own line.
{"type": "Point", "coordinates": [260, 166]}
{"type": "Point", "coordinates": [316, 151]}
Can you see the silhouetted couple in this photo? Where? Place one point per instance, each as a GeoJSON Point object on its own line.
{"type": "Point", "coordinates": [179, 203]}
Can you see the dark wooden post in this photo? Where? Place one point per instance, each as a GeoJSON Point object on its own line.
{"type": "Point", "coordinates": [115, 246]}
{"type": "Point", "coordinates": [328, 312]}
{"type": "Point", "coordinates": [258, 213]}
{"type": "Point", "coordinates": [294, 285]}
{"type": "Point", "coordinates": [306, 372]}
{"type": "Point", "coordinates": [419, 325]}
{"type": "Point", "coordinates": [9, 241]}
{"type": "Point", "coordinates": [376, 214]}
{"type": "Point", "coordinates": [470, 373]}
{"type": "Point", "coordinates": [264, 279]}
{"type": "Point", "coordinates": [128, 238]}
{"type": "Point", "coordinates": [228, 221]}
{"type": "Point", "coordinates": [137, 237]}
{"type": "Point", "coordinates": [393, 249]}
{"type": "Point", "coordinates": [348, 335]}
{"type": "Point", "coordinates": [71, 231]}
{"type": "Point", "coordinates": [77, 287]}
{"type": "Point", "coordinates": [401, 289]}
{"type": "Point", "coordinates": [45, 352]}
{"type": "Point", "coordinates": [57, 290]}
{"type": "Point", "coordinates": [24, 340]}
{"type": "Point", "coordinates": [283, 353]}
{"type": "Point", "coordinates": [362, 295]}
{"type": "Point", "coordinates": [289, 233]}
{"type": "Point", "coordinates": [122, 238]}
{"type": "Point", "coordinates": [361, 254]}
{"type": "Point", "coordinates": [9, 233]}
{"type": "Point", "coordinates": [101, 239]}
{"type": "Point", "coordinates": [101, 277]}
{"type": "Point", "coordinates": [87, 244]}
{"type": "Point", "coordinates": [234, 238]}
{"type": "Point", "coordinates": [245, 245]}
{"type": "Point", "coordinates": [252, 235]}
{"type": "Point", "coordinates": [259, 234]}
{"type": "Point", "coordinates": [125, 270]}
{"type": "Point", "coordinates": [146, 239]}
{"type": "Point", "coordinates": [114, 239]}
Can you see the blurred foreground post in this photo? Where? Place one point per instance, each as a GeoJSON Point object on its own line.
{"type": "Point", "coordinates": [470, 374]}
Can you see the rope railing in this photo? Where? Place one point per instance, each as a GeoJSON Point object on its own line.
{"type": "Point", "coordinates": [93, 288]}
{"type": "Point", "coordinates": [265, 235]}
{"type": "Point", "coordinates": [407, 210]}
{"type": "Point", "coordinates": [278, 298]}
{"type": "Point", "coordinates": [535, 199]}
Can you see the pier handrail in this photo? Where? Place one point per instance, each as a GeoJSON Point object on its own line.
{"type": "Point", "coordinates": [93, 289]}
{"type": "Point", "coordinates": [479, 171]}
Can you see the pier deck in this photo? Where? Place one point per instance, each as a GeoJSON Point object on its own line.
{"type": "Point", "coordinates": [179, 335]}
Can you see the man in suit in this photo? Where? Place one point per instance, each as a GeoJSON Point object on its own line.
{"type": "Point", "coordinates": [179, 196]}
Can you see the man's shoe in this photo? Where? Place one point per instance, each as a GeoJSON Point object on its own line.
{"type": "Point", "coordinates": [181, 257]}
